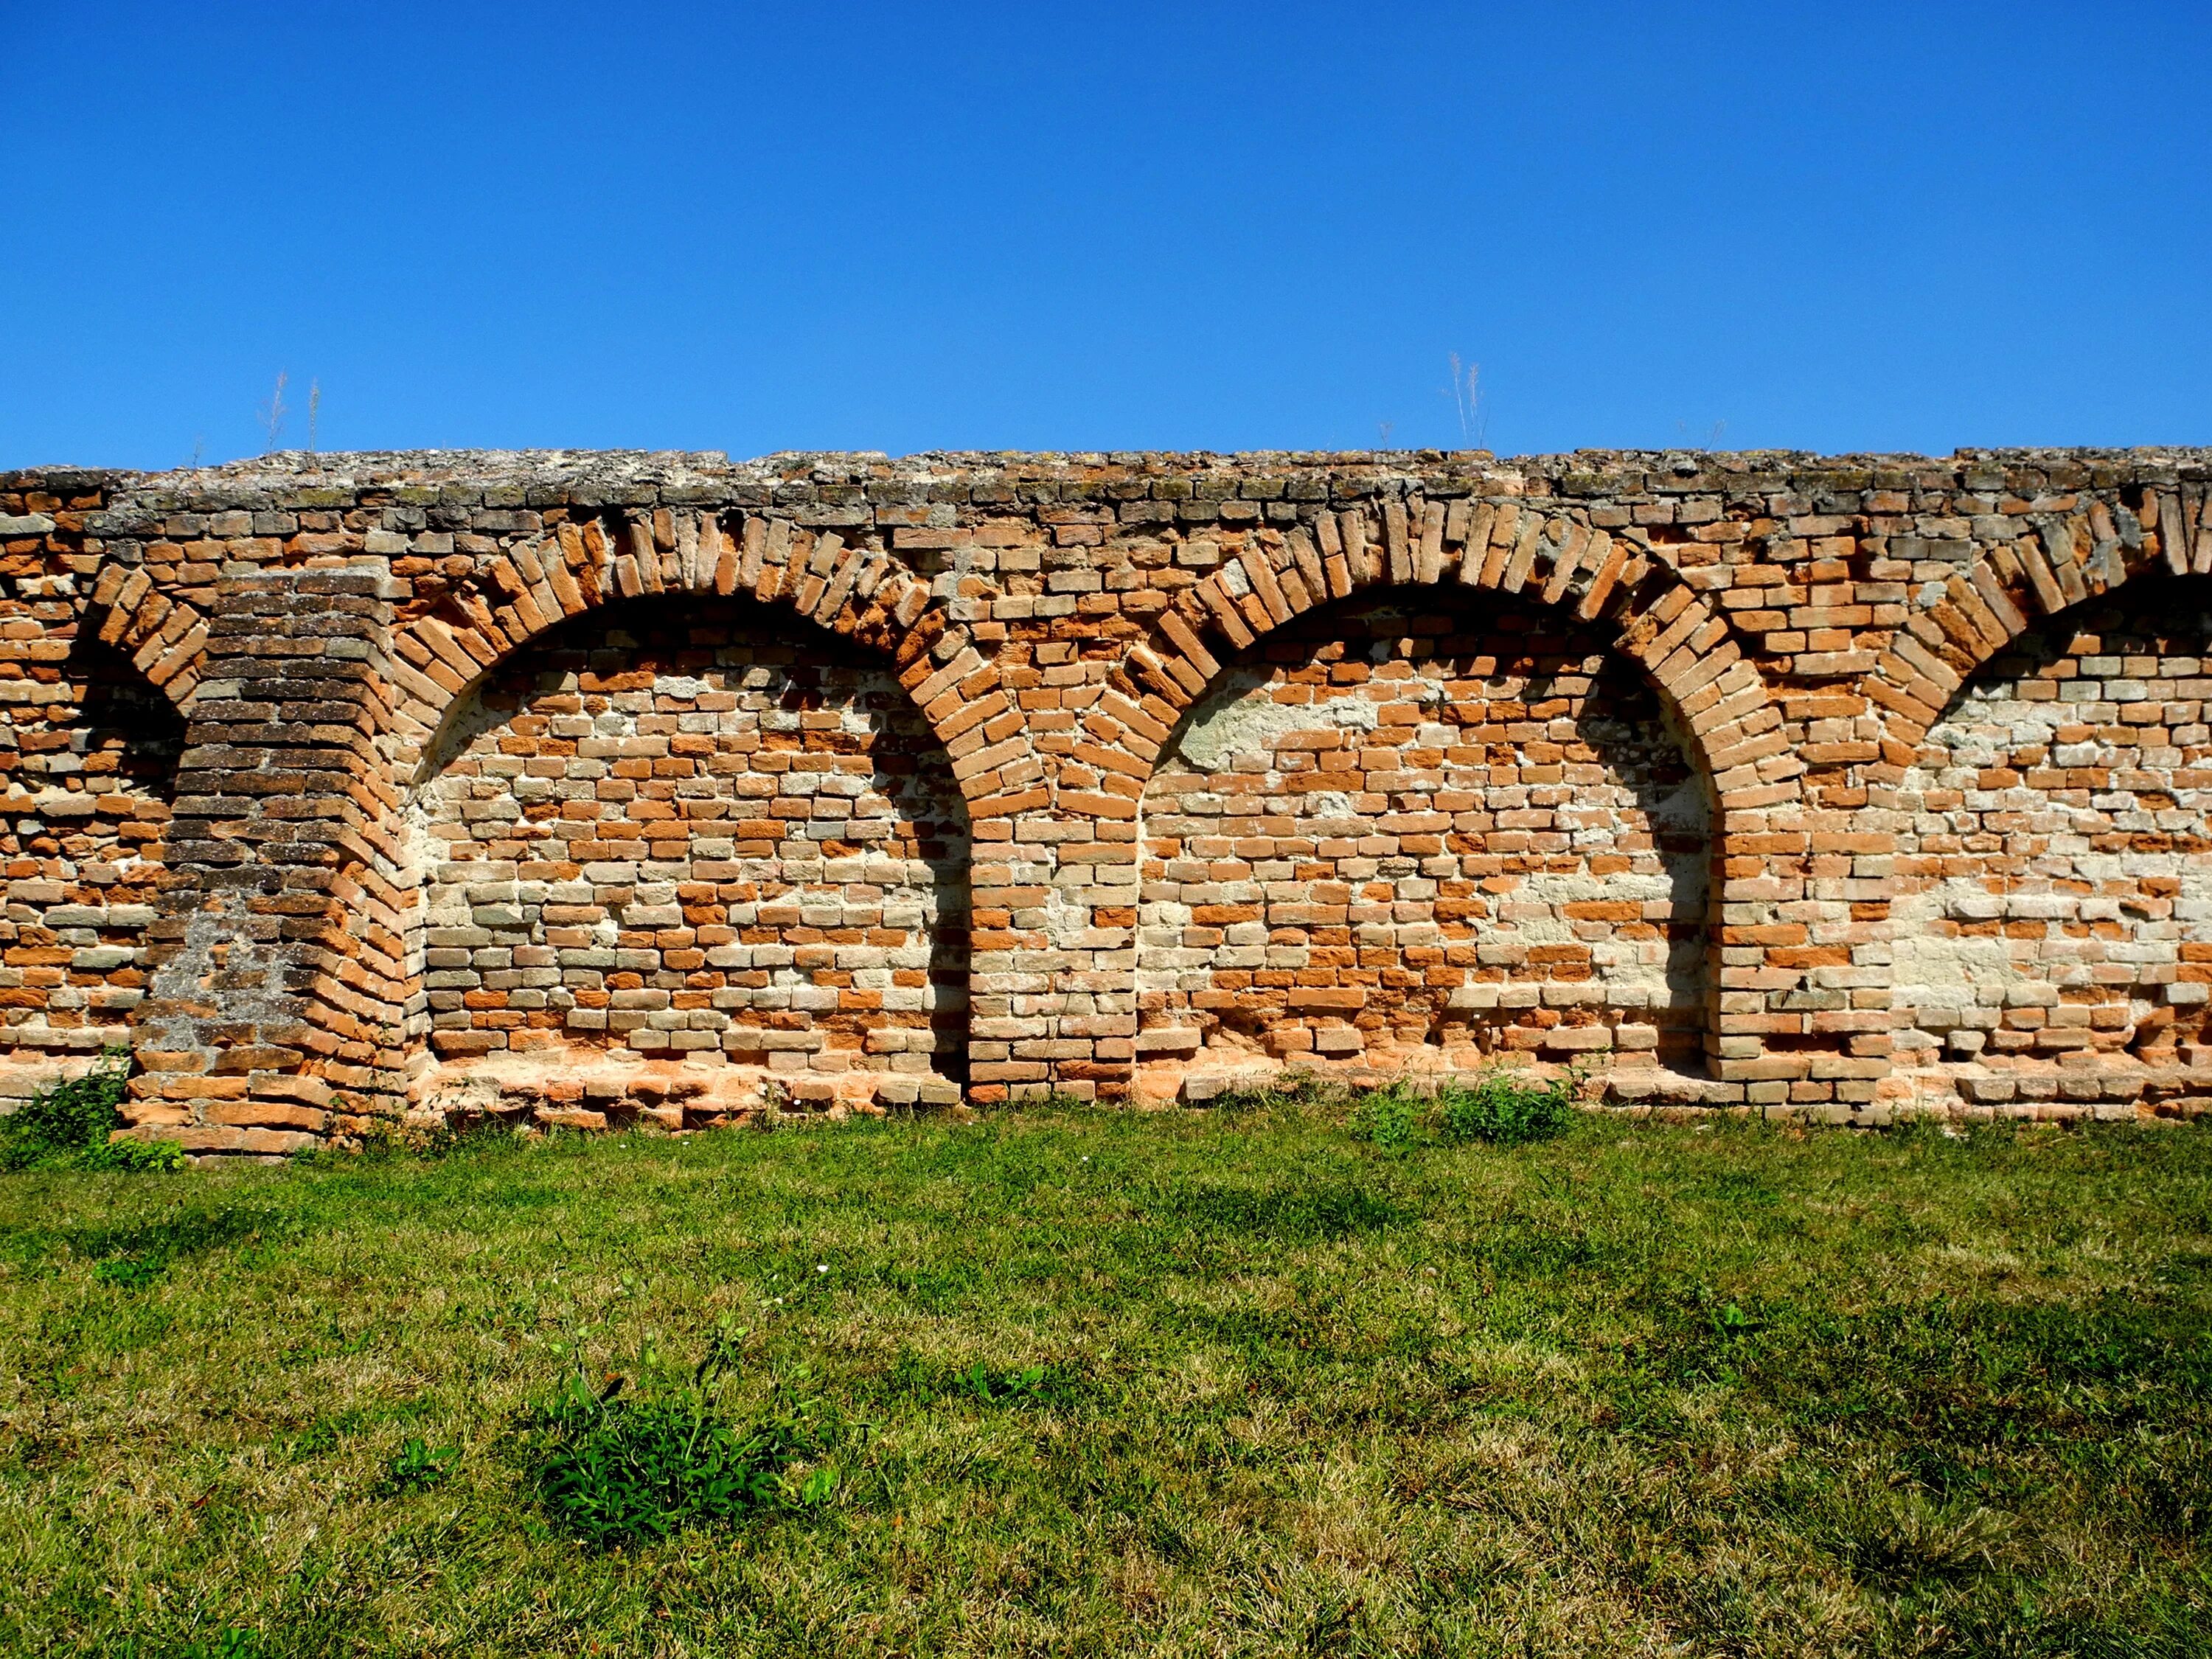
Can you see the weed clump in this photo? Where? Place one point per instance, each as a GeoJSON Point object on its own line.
{"type": "Point", "coordinates": [229, 1643]}
{"type": "Point", "coordinates": [417, 1466]}
{"type": "Point", "coordinates": [1505, 1109]}
{"type": "Point", "coordinates": [1035, 1385]}
{"type": "Point", "coordinates": [66, 1125]}
{"type": "Point", "coordinates": [1389, 1116]}
{"type": "Point", "coordinates": [129, 1273]}
{"type": "Point", "coordinates": [612, 1471]}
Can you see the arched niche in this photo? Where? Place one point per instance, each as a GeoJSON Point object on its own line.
{"type": "Point", "coordinates": [690, 828]}
{"type": "Point", "coordinates": [92, 769]}
{"type": "Point", "coordinates": [2054, 849]}
{"type": "Point", "coordinates": [1426, 827]}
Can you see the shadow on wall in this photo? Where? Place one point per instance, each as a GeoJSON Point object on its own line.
{"type": "Point", "coordinates": [126, 729]}
{"type": "Point", "coordinates": [694, 829]}
{"type": "Point", "coordinates": [2054, 853]}
{"type": "Point", "coordinates": [95, 752]}
{"type": "Point", "coordinates": [1426, 821]}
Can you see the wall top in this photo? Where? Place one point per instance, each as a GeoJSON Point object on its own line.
{"type": "Point", "coordinates": [546, 477]}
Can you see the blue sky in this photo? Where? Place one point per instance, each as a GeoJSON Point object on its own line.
{"type": "Point", "coordinates": [1177, 226]}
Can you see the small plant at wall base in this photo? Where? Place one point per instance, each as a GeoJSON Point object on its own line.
{"type": "Point", "coordinates": [67, 1124]}
{"type": "Point", "coordinates": [1389, 1116]}
{"type": "Point", "coordinates": [1507, 1109]}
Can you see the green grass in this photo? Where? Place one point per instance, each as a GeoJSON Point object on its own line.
{"type": "Point", "coordinates": [1092, 1382]}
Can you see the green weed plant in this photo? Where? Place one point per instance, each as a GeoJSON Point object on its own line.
{"type": "Point", "coordinates": [1389, 1117]}
{"type": "Point", "coordinates": [67, 1124]}
{"type": "Point", "coordinates": [612, 1470]}
{"type": "Point", "coordinates": [417, 1466]}
{"type": "Point", "coordinates": [1501, 1108]}
{"type": "Point", "coordinates": [1506, 1109]}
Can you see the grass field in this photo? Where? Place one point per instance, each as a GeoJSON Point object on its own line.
{"type": "Point", "coordinates": [1096, 1382]}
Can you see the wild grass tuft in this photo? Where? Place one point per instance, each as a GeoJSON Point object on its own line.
{"type": "Point", "coordinates": [66, 1125]}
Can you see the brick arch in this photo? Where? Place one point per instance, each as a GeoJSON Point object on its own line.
{"type": "Point", "coordinates": [1538, 551]}
{"type": "Point", "coordinates": [656, 777]}
{"type": "Point", "coordinates": [858, 594]}
{"type": "Point", "coordinates": [163, 635]}
{"type": "Point", "coordinates": [1545, 551]}
{"type": "Point", "coordinates": [1641, 815]}
{"type": "Point", "coordinates": [85, 832]}
{"type": "Point", "coordinates": [517, 602]}
{"type": "Point", "coordinates": [2014, 586]}
{"type": "Point", "coordinates": [2050, 881]}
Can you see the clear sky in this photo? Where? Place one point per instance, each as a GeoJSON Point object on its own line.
{"type": "Point", "coordinates": [906, 226]}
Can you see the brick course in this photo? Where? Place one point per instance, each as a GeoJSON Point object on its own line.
{"type": "Point", "coordinates": [1836, 786]}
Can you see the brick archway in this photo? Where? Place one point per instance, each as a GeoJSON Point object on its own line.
{"type": "Point", "coordinates": [1478, 779]}
{"type": "Point", "coordinates": [94, 749]}
{"type": "Point", "coordinates": [2072, 555]}
{"type": "Point", "coordinates": [164, 636]}
{"type": "Point", "coordinates": [2053, 856]}
{"type": "Point", "coordinates": [856, 596]}
{"type": "Point", "coordinates": [856, 593]}
{"type": "Point", "coordinates": [1553, 554]}
{"type": "Point", "coordinates": [1547, 552]}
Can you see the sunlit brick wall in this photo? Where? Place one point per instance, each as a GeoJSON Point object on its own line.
{"type": "Point", "coordinates": [1425, 821]}
{"type": "Point", "coordinates": [1837, 786]}
{"type": "Point", "coordinates": [683, 831]}
{"type": "Point", "coordinates": [2056, 852]}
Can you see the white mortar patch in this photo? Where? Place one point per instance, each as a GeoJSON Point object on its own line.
{"type": "Point", "coordinates": [1248, 720]}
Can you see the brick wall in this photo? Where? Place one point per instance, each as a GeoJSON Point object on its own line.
{"type": "Point", "coordinates": [1836, 786]}
{"type": "Point", "coordinates": [1426, 823]}
{"type": "Point", "coordinates": [89, 776]}
{"type": "Point", "coordinates": [678, 829]}
{"type": "Point", "coordinates": [2053, 853]}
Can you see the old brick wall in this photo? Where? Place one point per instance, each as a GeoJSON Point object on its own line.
{"type": "Point", "coordinates": [1838, 785]}
{"type": "Point", "coordinates": [1433, 820]}
{"type": "Point", "coordinates": [685, 829]}
{"type": "Point", "coordinates": [2054, 857]}
{"type": "Point", "coordinates": [90, 772]}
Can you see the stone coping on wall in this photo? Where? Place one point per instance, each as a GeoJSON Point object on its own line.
{"type": "Point", "coordinates": [473, 472]}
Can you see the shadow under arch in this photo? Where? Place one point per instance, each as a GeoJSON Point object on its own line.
{"type": "Point", "coordinates": [2054, 844]}
{"type": "Point", "coordinates": [703, 824]}
{"type": "Point", "coordinates": [97, 752]}
{"type": "Point", "coordinates": [1515, 782]}
{"type": "Point", "coordinates": [123, 717]}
